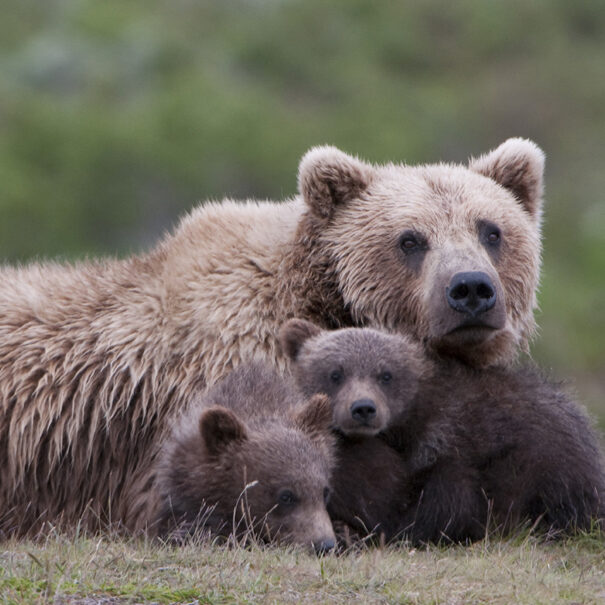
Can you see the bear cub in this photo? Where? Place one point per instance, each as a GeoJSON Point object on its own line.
{"type": "Point", "coordinates": [461, 452]}
{"type": "Point", "coordinates": [250, 455]}
{"type": "Point", "coordinates": [371, 378]}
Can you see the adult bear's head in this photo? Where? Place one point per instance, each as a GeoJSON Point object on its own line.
{"type": "Point", "coordinates": [447, 253]}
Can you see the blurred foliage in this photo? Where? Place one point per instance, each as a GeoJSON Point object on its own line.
{"type": "Point", "coordinates": [115, 117]}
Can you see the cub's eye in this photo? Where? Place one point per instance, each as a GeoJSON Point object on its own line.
{"type": "Point", "coordinates": [326, 495]}
{"type": "Point", "coordinates": [287, 497]}
{"type": "Point", "coordinates": [336, 376]}
{"type": "Point", "coordinates": [386, 377]}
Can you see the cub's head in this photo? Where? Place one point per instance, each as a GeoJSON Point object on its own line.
{"type": "Point", "coordinates": [447, 253]}
{"type": "Point", "coordinates": [369, 376]}
{"type": "Point", "coordinates": [274, 482]}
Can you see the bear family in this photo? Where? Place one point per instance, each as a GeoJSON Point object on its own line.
{"type": "Point", "coordinates": [97, 358]}
{"type": "Point", "coordinates": [462, 451]}
{"type": "Point", "coordinates": [249, 457]}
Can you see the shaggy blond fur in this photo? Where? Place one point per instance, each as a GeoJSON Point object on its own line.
{"type": "Point", "coordinates": [95, 357]}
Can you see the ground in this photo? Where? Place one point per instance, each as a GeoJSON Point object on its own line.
{"type": "Point", "coordinates": [110, 571]}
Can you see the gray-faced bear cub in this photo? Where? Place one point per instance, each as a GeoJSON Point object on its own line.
{"type": "Point", "coordinates": [250, 455]}
{"type": "Point", "coordinates": [461, 452]}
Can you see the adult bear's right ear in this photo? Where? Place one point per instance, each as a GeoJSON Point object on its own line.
{"type": "Point", "coordinates": [328, 177]}
{"type": "Point", "coordinates": [219, 428]}
{"type": "Point", "coordinates": [294, 333]}
{"type": "Point", "coordinates": [517, 165]}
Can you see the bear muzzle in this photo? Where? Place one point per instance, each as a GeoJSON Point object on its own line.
{"type": "Point", "coordinates": [471, 293]}
{"type": "Point", "coordinates": [363, 411]}
{"type": "Point", "coordinates": [324, 545]}
{"type": "Point", "coordinates": [364, 417]}
{"type": "Point", "coordinates": [468, 310]}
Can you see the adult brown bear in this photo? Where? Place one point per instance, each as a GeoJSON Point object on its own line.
{"type": "Point", "coordinates": [97, 357]}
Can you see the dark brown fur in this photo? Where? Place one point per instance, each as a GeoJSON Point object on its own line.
{"type": "Point", "coordinates": [369, 486]}
{"type": "Point", "coordinates": [250, 456]}
{"type": "Point", "coordinates": [494, 450]}
{"type": "Point", "coordinates": [477, 450]}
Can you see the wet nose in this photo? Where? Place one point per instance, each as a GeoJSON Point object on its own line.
{"type": "Point", "coordinates": [363, 410]}
{"type": "Point", "coordinates": [471, 292]}
{"type": "Point", "coordinates": [324, 546]}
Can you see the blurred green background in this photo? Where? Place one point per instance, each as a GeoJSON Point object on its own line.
{"type": "Point", "coordinates": [116, 116]}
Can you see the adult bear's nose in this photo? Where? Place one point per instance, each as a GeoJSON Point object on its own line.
{"type": "Point", "coordinates": [471, 292]}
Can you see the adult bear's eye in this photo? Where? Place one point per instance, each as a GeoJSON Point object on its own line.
{"type": "Point", "coordinates": [408, 243]}
{"type": "Point", "coordinates": [490, 235]}
{"type": "Point", "coordinates": [287, 497]}
{"type": "Point", "coordinates": [411, 241]}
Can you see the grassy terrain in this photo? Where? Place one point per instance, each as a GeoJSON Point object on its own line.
{"type": "Point", "coordinates": [101, 571]}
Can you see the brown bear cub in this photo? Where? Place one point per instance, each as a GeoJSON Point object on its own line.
{"type": "Point", "coordinates": [464, 451]}
{"type": "Point", "coordinates": [371, 378]}
{"type": "Point", "coordinates": [249, 456]}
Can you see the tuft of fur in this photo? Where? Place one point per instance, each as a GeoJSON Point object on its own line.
{"type": "Point", "coordinates": [249, 457]}
{"type": "Point", "coordinates": [97, 358]}
{"type": "Point", "coordinates": [467, 451]}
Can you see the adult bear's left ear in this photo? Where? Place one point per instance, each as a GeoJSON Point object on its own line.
{"type": "Point", "coordinates": [328, 177]}
{"type": "Point", "coordinates": [517, 165]}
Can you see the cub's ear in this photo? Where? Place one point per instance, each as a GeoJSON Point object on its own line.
{"type": "Point", "coordinates": [517, 165]}
{"type": "Point", "coordinates": [220, 427]}
{"type": "Point", "coordinates": [315, 418]}
{"type": "Point", "coordinates": [294, 333]}
{"type": "Point", "coordinates": [327, 177]}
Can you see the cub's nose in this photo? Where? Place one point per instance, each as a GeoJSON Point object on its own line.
{"type": "Point", "coordinates": [363, 410]}
{"type": "Point", "coordinates": [321, 547]}
{"type": "Point", "coordinates": [471, 292]}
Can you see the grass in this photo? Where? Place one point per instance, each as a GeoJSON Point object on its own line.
{"type": "Point", "coordinates": [87, 571]}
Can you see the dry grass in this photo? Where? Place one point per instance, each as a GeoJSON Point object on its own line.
{"type": "Point", "coordinates": [85, 571]}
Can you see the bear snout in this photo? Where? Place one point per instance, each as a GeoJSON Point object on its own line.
{"type": "Point", "coordinates": [324, 545]}
{"type": "Point", "coordinates": [363, 410]}
{"type": "Point", "coordinates": [471, 293]}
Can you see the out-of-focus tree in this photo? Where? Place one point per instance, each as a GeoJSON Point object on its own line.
{"type": "Point", "coordinates": [116, 117]}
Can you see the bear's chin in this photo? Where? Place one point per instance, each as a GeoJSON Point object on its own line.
{"type": "Point", "coordinates": [477, 346]}
{"type": "Point", "coordinates": [470, 335]}
{"type": "Point", "coordinates": [360, 431]}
